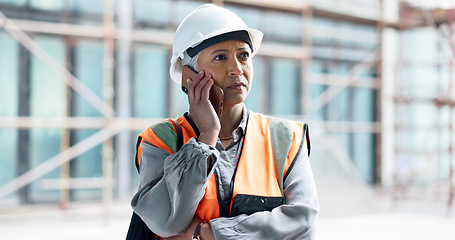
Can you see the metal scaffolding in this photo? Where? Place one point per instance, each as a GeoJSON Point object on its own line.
{"type": "Point", "coordinates": [411, 17]}
{"type": "Point", "coordinates": [118, 122]}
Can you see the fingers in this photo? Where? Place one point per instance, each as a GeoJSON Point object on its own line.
{"type": "Point", "coordinates": [192, 83]}
{"type": "Point", "coordinates": [199, 87]}
{"type": "Point", "coordinates": [205, 93]}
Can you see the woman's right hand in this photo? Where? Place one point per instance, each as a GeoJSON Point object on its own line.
{"type": "Point", "coordinates": [201, 110]}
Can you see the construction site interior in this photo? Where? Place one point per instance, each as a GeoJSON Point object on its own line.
{"type": "Point", "coordinates": [374, 79]}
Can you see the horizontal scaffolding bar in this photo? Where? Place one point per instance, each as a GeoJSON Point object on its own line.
{"type": "Point", "coordinates": [142, 123]}
{"type": "Point", "coordinates": [76, 122]}
{"type": "Point", "coordinates": [73, 183]}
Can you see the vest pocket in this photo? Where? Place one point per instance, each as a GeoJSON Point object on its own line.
{"type": "Point", "coordinates": [249, 204]}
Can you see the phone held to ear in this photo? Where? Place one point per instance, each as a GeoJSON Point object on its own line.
{"type": "Point", "coordinates": [216, 93]}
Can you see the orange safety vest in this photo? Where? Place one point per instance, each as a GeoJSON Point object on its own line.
{"type": "Point", "coordinates": [267, 151]}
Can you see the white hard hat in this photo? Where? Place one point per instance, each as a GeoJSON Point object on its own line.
{"type": "Point", "coordinates": [204, 23]}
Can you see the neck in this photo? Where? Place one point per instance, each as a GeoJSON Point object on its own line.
{"type": "Point", "coordinates": [230, 119]}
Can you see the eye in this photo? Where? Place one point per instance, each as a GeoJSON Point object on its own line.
{"type": "Point", "coordinates": [220, 57]}
{"type": "Point", "coordinates": [245, 55]}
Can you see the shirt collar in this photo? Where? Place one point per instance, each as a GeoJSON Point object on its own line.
{"type": "Point", "coordinates": [239, 132]}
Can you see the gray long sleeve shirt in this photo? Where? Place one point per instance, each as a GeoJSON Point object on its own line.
{"type": "Point", "coordinates": [171, 186]}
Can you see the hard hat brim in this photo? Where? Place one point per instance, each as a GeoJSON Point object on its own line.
{"type": "Point", "coordinates": [175, 69]}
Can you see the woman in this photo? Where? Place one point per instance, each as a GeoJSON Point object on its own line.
{"type": "Point", "coordinates": [239, 174]}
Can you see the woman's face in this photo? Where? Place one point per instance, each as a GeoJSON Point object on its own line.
{"type": "Point", "coordinates": [231, 67]}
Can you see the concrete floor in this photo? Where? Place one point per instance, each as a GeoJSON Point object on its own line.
{"type": "Point", "coordinates": [91, 222]}
{"type": "Point", "coordinates": [348, 211]}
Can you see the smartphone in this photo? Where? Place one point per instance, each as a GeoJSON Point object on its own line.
{"type": "Point", "coordinates": [216, 94]}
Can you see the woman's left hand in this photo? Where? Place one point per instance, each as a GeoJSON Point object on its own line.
{"type": "Point", "coordinates": [188, 234]}
{"type": "Point", "coordinates": [206, 231]}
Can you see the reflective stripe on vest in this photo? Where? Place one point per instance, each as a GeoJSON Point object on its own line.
{"type": "Point", "coordinates": [268, 149]}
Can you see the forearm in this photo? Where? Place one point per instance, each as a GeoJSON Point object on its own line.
{"type": "Point", "coordinates": [296, 219]}
{"type": "Point", "coordinates": [167, 202]}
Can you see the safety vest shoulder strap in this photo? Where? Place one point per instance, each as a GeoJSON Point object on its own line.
{"type": "Point", "coordinates": [287, 140]}
{"type": "Point", "coordinates": [166, 135]}
{"type": "Point", "coordinates": [281, 136]}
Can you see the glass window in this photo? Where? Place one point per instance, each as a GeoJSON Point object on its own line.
{"type": "Point", "coordinates": [9, 75]}
{"type": "Point", "coordinates": [443, 134]}
{"type": "Point", "coordinates": [88, 68]}
{"type": "Point", "coordinates": [444, 79]}
{"type": "Point", "coordinates": [88, 7]}
{"type": "Point", "coordinates": [47, 5]}
{"type": "Point", "coordinates": [316, 90]}
{"type": "Point", "coordinates": [9, 60]}
{"type": "Point", "coordinates": [256, 98]}
{"type": "Point", "coordinates": [47, 91]}
{"type": "Point", "coordinates": [156, 12]}
{"type": "Point", "coordinates": [182, 8]}
{"type": "Point", "coordinates": [274, 30]}
{"type": "Point", "coordinates": [151, 78]}
{"type": "Point", "coordinates": [317, 66]}
{"type": "Point", "coordinates": [420, 46]}
{"type": "Point", "coordinates": [337, 109]}
{"type": "Point", "coordinates": [19, 3]}
{"type": "Point", "coordinates": [47, 86]}
{"type": "Point", "coordinates": [423, 117]}
{"type": "Point", "coordinates": [251, 16]}
{"type": "Point", "coordinates": [363, 104]}
{"type": "Point", "coordinates": [178, 102]}
{"type": "Point", "coordinates": [284, 87]}
{"type": "Point", "coordinates": [364, 155]}
{"type": "Point", "coordinates": [421, 80]}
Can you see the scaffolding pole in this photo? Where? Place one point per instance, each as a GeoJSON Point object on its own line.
{"type": "Point", "coordinates": [307, 42]}
{"type": "Point", "coordinates": [108, 150]}
{"type": "Point", "coordinates": [58, 160]}
{"type": "Point", "coordinates": [65, 172]}
{"type": "Point", "coordinates": [450, 96]}
{"type": "Point", "coordinates": [380, 27]}
{"type": "Point", "coordinates": [331, 92]}
{"type": "Point", "coordinates": [55, 66]}
{"type": "Point", "coordinates": [124, 101]}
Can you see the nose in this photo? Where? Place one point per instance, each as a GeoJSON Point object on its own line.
{"type": "Point", "coordinates": [235, 68]}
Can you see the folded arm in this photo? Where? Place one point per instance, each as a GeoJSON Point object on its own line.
{"type": "Point", "coordinates": [296, 219]}
{"type": "Point", "coordinates": [171, 186]}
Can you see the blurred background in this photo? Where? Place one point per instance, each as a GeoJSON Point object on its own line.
{"type": "Point", "coordinates": [79, 79]}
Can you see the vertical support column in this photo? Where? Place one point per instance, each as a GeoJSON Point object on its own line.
{"type": "Point", "coordinates": [451, 138]}
{"type": "Point", "coordinates": [65, 142]}
{"type": "Point", "coordinates": [23, 147]}
{"type": "Point", "coordinates": [403, 130]}
{"type": "Point", "coordinates": [124, 156]}
{"type": "Point", "coordinates": [451, 100]}
{"type": "Point", "coordinates": [389, 38]}
{"type": "Point", "coordinates": [380, 27]}
{"type": "Point", "coordinates": [307, 41]}
{"type": "Point", "coordinates": [108, 92]}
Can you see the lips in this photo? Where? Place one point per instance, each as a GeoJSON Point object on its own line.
{"type": "Point", "coordinates": [237, 85]}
